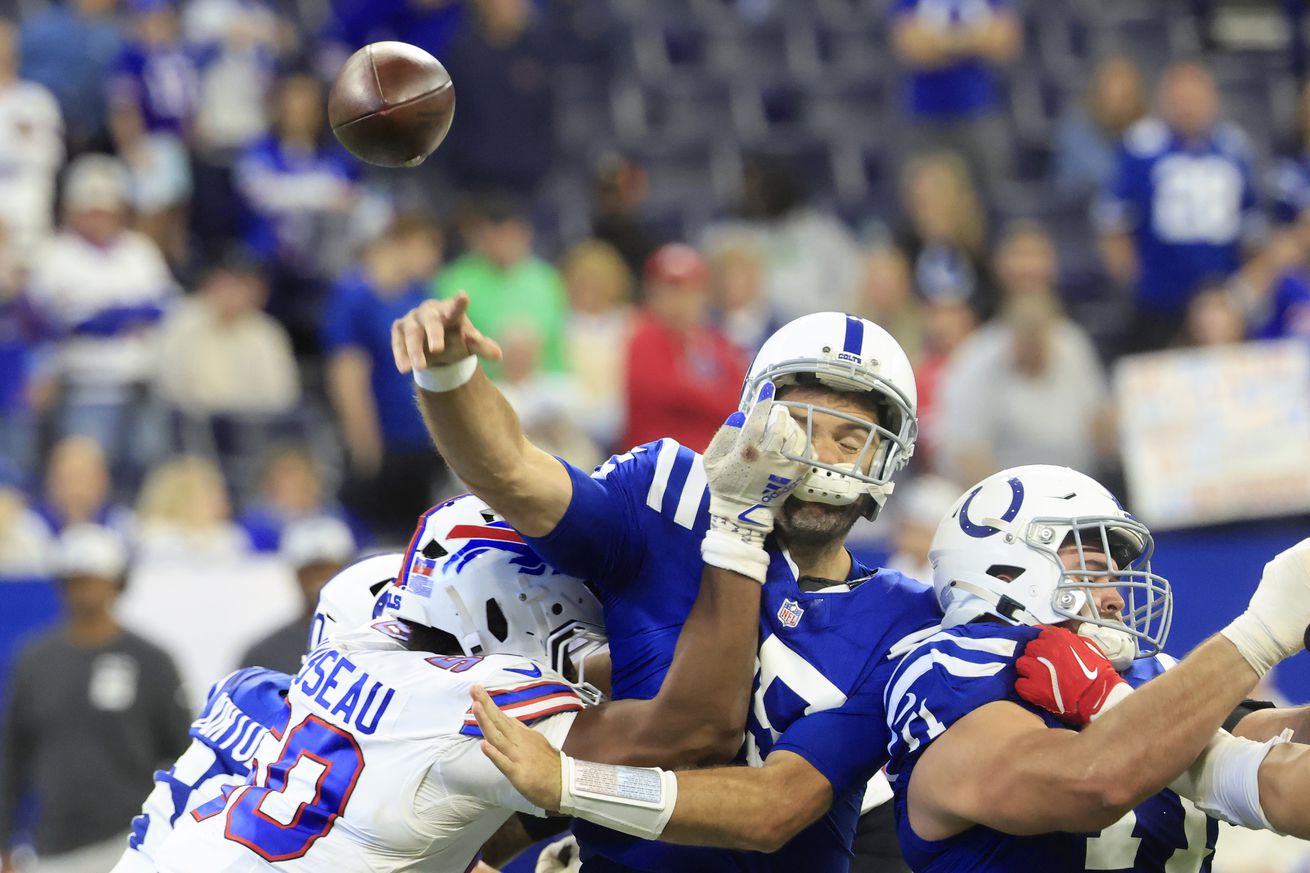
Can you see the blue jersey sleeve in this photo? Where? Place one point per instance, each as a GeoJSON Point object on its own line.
{"type": "Point", "coordinates": [847, 744]}
{"type": "Point", "coordinates": [341, 327]}
{"type": "Point", "coordinates": [240, 710]}
{"type": "Point", "coordinates": [950, 675]}
{"type": "Point", "coordinates": [605, 534]}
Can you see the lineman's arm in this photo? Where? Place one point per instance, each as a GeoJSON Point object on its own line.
{"type": "Point", "coordinates": [700, 711]}
{"type": "Point", "coordinates": [753, 808]}
{"type": "Point", "coordinates": [1265, 724]}
{"type": "Point", "coordinates": [698, 715]}
{"type": "Point", "coordinates": [473, 426]}
{"type": "Point", "coordinates": [1000, 766]}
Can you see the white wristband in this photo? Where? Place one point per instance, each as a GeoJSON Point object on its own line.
{"type": "Point", "coordinates": [1224, 781]}
{"type": "Point", "coordinates": [632, 800]}
{"type": "Point", "coordinates": [729, 552]}
{"type": "Point", "coordinates": [1254, 642]}
{"type": "Point", "coordinates": [446, 377]}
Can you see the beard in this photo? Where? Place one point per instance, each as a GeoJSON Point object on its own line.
{"type": "Point", "coordinates": [814, 526]}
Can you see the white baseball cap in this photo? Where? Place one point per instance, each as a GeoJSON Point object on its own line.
{"type": "Point", "coordinates": [90, 550]}
{"type": "Point", "coordinates": [96, 182]}
{"type": "Point", "coordinates": [318, 540]}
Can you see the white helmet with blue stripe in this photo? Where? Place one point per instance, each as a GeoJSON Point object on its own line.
{"type": "Point", "coordinates": [468, 574]}
{"type": "Point", "coordinates": [997, 553]}
{"type": "Point", "coordinates": [844, 353]}
{"type": "Point", "coordinates": [352, 597]}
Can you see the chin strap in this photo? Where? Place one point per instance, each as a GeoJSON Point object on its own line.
{"type": "Point", "coordinates": [1005, 606]}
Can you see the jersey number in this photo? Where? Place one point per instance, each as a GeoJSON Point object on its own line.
{"type": "Point", "coordinates": [296, 799]}
{"type": "Point", "coordinates": [1197, 200]}
{"type": "Point", "coordinates": [1115, 848]}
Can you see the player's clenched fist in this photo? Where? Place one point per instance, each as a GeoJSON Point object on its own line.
{"type": "Point", "coordinates": [1067, 675]}
{"type": "Point", "coordinates": [437, 333]}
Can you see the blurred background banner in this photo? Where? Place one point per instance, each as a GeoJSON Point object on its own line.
{"type": "Point", "coordinates": [1216, 435]}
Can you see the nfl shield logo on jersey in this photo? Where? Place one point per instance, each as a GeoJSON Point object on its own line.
{"type": "Point", "coordinates": [790, 613]}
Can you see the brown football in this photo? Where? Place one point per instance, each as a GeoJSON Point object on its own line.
{"type": "Point", "coordinates": [391, 104]}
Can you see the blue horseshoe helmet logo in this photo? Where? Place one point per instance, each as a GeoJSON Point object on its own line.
{"type": "Point", "coordinates": [985, 530]}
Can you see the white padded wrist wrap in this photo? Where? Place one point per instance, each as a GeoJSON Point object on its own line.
{"type": "Point", "coordinates": [1255, 642]}
{"type": "Point", "coordinates": [632, 800]}
{"type": "Point", "coordinates": [446, 377]}
{"type": "Point", "coordinates": [1225, 780]}
{"type": "Point", "coordinates": [726, 550]}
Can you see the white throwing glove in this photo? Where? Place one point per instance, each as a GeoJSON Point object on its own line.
{"type": "Point", "coordinates": [748, 476]}
{"type": "Point", "coordinates": [560, 856]}
{"type": "Point", "coordinates": [1275, 622]}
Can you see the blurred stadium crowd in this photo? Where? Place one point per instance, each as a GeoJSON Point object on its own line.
{"type": "Point", "coordinates": [197, 284]}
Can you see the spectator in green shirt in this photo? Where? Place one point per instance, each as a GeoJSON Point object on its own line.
{"type": "Point", "coordinates": [506, 283]}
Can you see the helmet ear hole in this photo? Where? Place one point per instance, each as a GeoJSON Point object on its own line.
{"type": "Point", "coordinates": [497, 624]}
{"type": "Point", "coordinates": [1005, 572]}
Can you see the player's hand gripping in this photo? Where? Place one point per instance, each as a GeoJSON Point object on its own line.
{"type": "Point", "coordinates": [1276, 621]}
{"type": "Point", "coordinates": [527, 758]}
{"type": "Point", "coordinates": [438, 332]}
{"type": "Point", "coordinates": [1068, 676]}
{"type": "Point", "coordinates": [561, 856]}
{"type": "Point", "coordinates": [748, 476]}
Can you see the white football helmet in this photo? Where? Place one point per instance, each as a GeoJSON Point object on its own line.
{"type": "Point", "coordinates": [997, 553]}
{"type": "Point", "coordinates": [844, 353]}
{"type": "Point", "coordinates": [353, 596]}
{"type": "Point", "coordinates": [469, 574]}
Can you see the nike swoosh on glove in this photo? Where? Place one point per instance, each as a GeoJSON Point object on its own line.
{"type": "Point", "coordinates": [1067, 676]}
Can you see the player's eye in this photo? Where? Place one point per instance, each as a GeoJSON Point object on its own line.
{"type": "Point", "coordinates": [851, 447]}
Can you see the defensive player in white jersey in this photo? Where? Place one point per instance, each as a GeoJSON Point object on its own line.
{"type": "Point", "coordinates": [377, 767]}
{"type": "Point", "coordinates": [240, 711]}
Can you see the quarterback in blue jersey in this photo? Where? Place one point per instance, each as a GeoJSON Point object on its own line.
{"type": "Point", "coordinates": [241, 709]}
{"type": "Point", "coordinates": [985, 780]}
{"type": "Point", "coordinates": [637, 527]}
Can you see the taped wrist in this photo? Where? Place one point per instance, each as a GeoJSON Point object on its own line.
{"type": "Point", "coordinates": [1225, 779]}
{"type": "Point", "coordinates": [728, 551]}
{"type": "Point", "coordinates": [632, 800]}
{"type": "Point", "coordinates": [446, 377]}
{"type": "Point", "coordinates": [1255, 642]}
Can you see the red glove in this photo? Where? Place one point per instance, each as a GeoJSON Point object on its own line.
{"type": "Point", "coordinates": [1068, 676]}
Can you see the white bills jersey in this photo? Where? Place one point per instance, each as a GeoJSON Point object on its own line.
{"type": "Point", "coordinates": [378, 769]}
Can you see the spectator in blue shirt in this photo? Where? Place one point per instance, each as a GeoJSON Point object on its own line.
{"type": "Point", "coordinates": [1180, 206]}
{"type": "Point", "coordinates": [952, 50]}
{"type": "Point", "coordinates": [392, 466]}
{"type": "Point", "coordinates": [69, 48]}
{"type": "Point", "coordinates": [503, 64]}
{"type": "Point", "coordinates": [155, 77]}
{"type": "Point", "coordinates": [1089, 134]}
{"type": "Point", "coordinates": [1289, 183]}
{"type": "Point", "coordinates": [299, 187]}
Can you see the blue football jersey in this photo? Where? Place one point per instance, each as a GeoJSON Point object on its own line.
{"type": "Point", "coordinates": [1187, 206]}
{"type": "Point", "coordinates": [966, 667]}
{"type": "Point", "coordinates": [634, 529]}
{"type": "Point", "coordinates": [239, 711]}
{"type": "Point", "coordinates": [1288, 311]}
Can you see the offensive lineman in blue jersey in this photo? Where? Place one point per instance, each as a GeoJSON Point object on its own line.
{"type": "Point", "coordinates": [981, 782]}
{"type": "Point", "coordinates": [634, 528]}
{"type": "Point", "coordinates": [241, 709]}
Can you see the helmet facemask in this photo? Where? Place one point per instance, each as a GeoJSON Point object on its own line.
{"type": "Point", "coordinates": [570, 646]}
{"type": "Point", "coordinates": [1142, 626]}
{"type": "Point", "coordinates": [888, 444]}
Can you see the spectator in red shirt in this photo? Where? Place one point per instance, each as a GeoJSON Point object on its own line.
{"type": "Point", "coordinates": [684, 375]}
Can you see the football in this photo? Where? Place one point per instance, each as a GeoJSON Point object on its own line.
{"type": "Point", "coordinates": [391, 104]}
